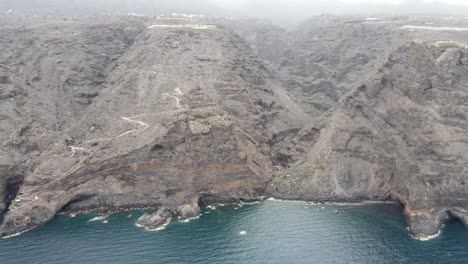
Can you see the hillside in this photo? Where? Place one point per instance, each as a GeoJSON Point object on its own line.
{"type": "Point", "coordinates": [131, 113]}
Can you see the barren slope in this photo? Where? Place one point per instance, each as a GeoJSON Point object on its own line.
{"type": "Point", "coordinates": [402, 135]}
{"type": "Point", "coordinates": [182, 113]}
{"type": "Point", "coordinates": [116, 114]}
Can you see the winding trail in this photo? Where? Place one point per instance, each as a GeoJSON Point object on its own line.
{"type": "Point", "coordinates": [142, 126]}
{"type": "Point", "coordinates": [76, 167]}
{"type": "Point", "coordinates": [177, 99]}
{"type": "Point", "coordinates": [129, 119]}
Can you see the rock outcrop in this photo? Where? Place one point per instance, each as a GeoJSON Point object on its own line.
{"type": "Point", "coordinates": [156, 221]}
{"type": "Point", "coordinates": [188, 211]}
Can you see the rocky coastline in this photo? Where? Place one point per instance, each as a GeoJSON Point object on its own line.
{"type": "Point", "coordinates": [117, 113]}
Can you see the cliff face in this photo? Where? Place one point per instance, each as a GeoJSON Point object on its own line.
{"type": "Point", "coordinates": [402, 134]}
{"type": "Point", "coordinates": [124, 116]}
{"type": "Point", "coordinates": [331, 56]}
{"type": "Point", "coordinates": [120, 114]}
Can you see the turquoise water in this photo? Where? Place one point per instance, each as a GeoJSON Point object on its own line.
{"type": "Point", "coordinates": [269, 232]}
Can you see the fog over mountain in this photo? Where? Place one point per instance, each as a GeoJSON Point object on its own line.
{"type": "Point", "coordinates": [278, 11]}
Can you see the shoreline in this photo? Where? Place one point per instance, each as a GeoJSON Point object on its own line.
{"type": "Point", "coordinates": [427, 238]}
{"type": "Point", "coordinates": [349, 203]}
{"type": "Point", "coordinates": [262, 199]}
{"type": "Point", "coordinates": [16, 234]}
{"type": "Point", "coordinates": [214, 206]}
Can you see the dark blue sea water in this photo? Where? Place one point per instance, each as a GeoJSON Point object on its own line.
{"type": "Point", "coordinates": [269, 232]}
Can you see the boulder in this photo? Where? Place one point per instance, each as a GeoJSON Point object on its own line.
{"type": "Point", "coordinates": [156, 221]}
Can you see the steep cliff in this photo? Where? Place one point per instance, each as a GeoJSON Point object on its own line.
{"type": "Point", "coordinates": [331, 56]}
{"type": "Point", "coordinates": [119, 116]}
{"type": "Point", "coordinates": [124, 113]}
{"type": "Point", "coordinates": [402, 135]}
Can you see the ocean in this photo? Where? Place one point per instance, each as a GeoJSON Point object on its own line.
{"type": "Point", "coordinates": [267, 232]}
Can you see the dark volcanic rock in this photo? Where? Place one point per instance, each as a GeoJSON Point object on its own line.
{"type": "Point", "coordinates": [402, 135]}
{"type": "Point", "coordinates": [174, 117]}
{"type": "Point", "coordinates": [118, 115]}
{"type": "Point", "coordinates": [156, 221]}
{"type": "Point", "coordinates": [331, 56]}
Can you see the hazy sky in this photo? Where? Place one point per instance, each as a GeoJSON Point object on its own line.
{"type": "Point", "coordinates": [399, 1]}
{"type": "Point", "coordinates": [234, 3]}
{"type": "Point", "coordinates": [279, 11]}
{"type": "Point", "coordinates": [286, 11]}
